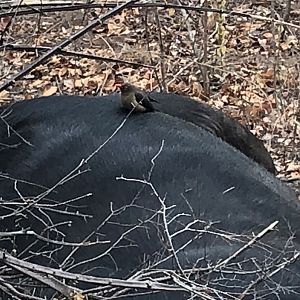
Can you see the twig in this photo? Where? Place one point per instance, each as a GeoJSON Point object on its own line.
{"type": "Point", "coordinates": [287, 10]}
{"type": "Point", "coordinates": [147, 284]}
{"type": "Point", "coordinates": [9, 128]}
{"type": "Point", "coordinates": [162, 211]}
{"type": "Point", "coordinates": [148, 40]}
{"type": "Point", "coordinates": [204, 69]}
{"type": "Point", "coordinates": [9, 289]}
{"type": "Point", "coordinates": [259, 279]}
{"type": "Point", "coordinates": [174, 77]}
{"type": "Point", "coordinates": [246, 246]}
{"type": "Point", "coordinates": [49, 281]}
{"type": "Point", "coordinates": [73, 53]}
{"type": "Point", "coordinates": [191, 289]}
{"type": "Point", "coordinates": [162, 52]}
{"type": "Point", "coordinates": [47, 240]}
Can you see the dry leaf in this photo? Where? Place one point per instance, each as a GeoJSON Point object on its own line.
{"type": "Point", "coordinates": [294, 175]}
{"type": "Point", "coordinates": [50, 91]}
{"type": "Point", "coordinates": [62, 72]}
{"type": "Point", "coordinates": [115, 27]}
{"type": "Point", "coordinates": [78, 83]}
{"type": "Point", "coordinates": [78, 296]}
{"type": "Point", "coordinates": [171, 12]}
{"type": "Point", "coordinates": [72, 72]}
{"type": "Point", "coordinates": [4, 95]}
{"type": "Point", "coordinates": [269, 74]}
{"type": "Point", "coordinates": [268, 35]}
{"type": "Point", "coordinates": [37, 83]}
{"type": "Point", "coordinates": [69, 83]}
{"type": "Point", "coordinates": [4, 22]}
{"type": "Point", "coordinates": [293, 167]}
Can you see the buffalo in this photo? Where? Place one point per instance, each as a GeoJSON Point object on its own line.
{"type": "Point", "coordinates": [149, 198]}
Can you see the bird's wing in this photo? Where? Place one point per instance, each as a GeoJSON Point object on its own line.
{"type": "Point", "coordinates": [152, 99]}
{"type": "Point", "coordinates": [144, 100]}
{"type": "Point", "coordinates": [141, 95]}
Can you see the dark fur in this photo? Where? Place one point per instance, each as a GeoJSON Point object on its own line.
{"type": "Point", "coordinates": [193, 167]}
{"type": "Point", "coordinates": [216, 122]}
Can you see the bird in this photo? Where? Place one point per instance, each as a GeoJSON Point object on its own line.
{"type": "Point", "coordinates": [134, 98]}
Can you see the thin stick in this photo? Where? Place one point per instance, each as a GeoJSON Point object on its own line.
{"type": "Point", "coordinates": [146, 284]}
{"type": "Point", "coordinates": [73, 53]}
{"type": "Point", "coordinates": [246, 246]}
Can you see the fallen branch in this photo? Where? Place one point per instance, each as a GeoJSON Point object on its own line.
{"type": "Point", "coordinates": [146, 284]}
{"type": "Point", "coordinates": [73, 53]}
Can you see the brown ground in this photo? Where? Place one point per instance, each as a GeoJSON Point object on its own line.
{"type": "Point", "coordinates": [252, 63]}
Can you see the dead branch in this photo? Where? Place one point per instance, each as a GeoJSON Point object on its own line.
{"type": "Point", "coordinates": [162, 51]}
{"type": "Point", "coordinates": [73, 53]}
{"type": "Point", "coordinates": [12, 291]}
{"type": "Point", "coordinates": [47, 240]}
{"type": "Point", "coordinates": [147, 284]}
{"type": "Point", "coordinates": [287, 10]}
{"type": "Point", "coordinates": [270, 274]}
{"type": "Point", "coordinates": [49, 281]}
{"type": "Point", "coordinates": [248, 245]}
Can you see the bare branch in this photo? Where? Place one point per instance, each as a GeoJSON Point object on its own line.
{"type": "Point", "coordinates": [73, 53]}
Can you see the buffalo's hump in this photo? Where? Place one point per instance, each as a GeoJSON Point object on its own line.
{"type": "Point", "coordinates": [216, 122]}
{"type": "Point", "coordinates": [138, 192]}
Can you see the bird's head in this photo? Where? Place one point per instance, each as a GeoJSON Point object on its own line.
{"type": "Point", "coordinates": [126, 87]}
